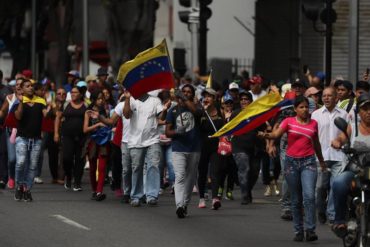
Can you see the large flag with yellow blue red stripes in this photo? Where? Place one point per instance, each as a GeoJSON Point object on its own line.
{"type": "Point", "coordinates": [254, 115]}
{"type": "Point", "coordinates": [148, 71]}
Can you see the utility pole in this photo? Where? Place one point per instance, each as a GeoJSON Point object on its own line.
{"type": "Point", "coordinates": [33, 39]}
{"type": "Point", "coordinates": [328, 41]}
{"type": "Point", "coordinates": [193, 26]}
{"type": "Point", "coordinates": [85, 38]}
{"type": "Point", "coordinates": [353, 40]}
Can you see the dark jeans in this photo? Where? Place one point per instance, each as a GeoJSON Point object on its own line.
{"type": "Point", "coordinates": [73, 162]}
{"type": "Point", "coordinates": [116, 164]}
{"type": "Point", "coordinates": [248, 165]}
{"type": "Point", "coordinates": [53, 151]}
{"type": "Point", "coordinates": [211, 159]}
{"type": "Point", "coordinates": [230, 172]}
{"type": "Point", "coordinates": [341, 189]}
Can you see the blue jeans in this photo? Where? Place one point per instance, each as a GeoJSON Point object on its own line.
{"type": "Point", "coordinates": [301, 176]}
{"type": "Point", "coordinates": [243, 163]}
{"type": "Point", "coordinates": [323, 187]}
{"type": "Point", "coordinates": [11, 155]}
{"type": "Point", "coordinates": [27, 149]}
{"type": "Point", "coordinates": [341, 189]}
{"type": "Point", "coordinates": [152, 156]}
{"type": "Point", "coordinates": [285, 194]}
{"type": "Point", "coordinates": [167, 161]}
{"type": "Point", "coordinates": [126, 169]}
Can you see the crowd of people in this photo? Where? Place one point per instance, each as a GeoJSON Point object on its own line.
{"type": "Point", "coordinates": [162, 139]}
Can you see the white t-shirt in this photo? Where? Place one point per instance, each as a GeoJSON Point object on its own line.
{"type": "Point", "coordinates": [143, 130]}
{"type": "Point", "coordinates": [256, 96]}
{"type": "Point", "coordinates": [125, 122]}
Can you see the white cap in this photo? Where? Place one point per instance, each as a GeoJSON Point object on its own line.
{"type": "Point", "coordinates": [233, 85]}
{"type": "Point", "coordinates": [285, 88]}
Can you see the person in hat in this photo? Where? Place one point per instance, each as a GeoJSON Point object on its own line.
{"type": "Point", "coordinates": [230, 170]}
{"type": "Point", "coordinates": [92, 84]}
{"type": "Point", "coordinates": [243, 150]}
{"type": "Point", "coordinates": [73, 77]}
{"type": "Point", "coordinates": [234, 93]}
{"type": "Point", "coordinates": [102, 75]}
{"type": "Point", "coordinates": [211, 121]}
{"type": "Point", "coordinates": [255, 84]}
{"type": "Point", "coordinates": [359, 134]}
{"type": "Point", "coordinates": [27, 73]}
{"type": "Point", "coordinates": [313, 96]}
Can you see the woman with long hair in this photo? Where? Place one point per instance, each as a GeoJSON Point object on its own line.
{"type": "Point", "coordinates": [300, 166]}
{"type": "Point", "coordinates": [97, 150]}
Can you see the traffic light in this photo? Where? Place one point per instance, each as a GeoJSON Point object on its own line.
{"type": "Point", "coordinates": [311, 9]}
{"type": "Point", "coordinates": [184, 15]}
{"type": "Point", "coordinates": [205, 12]}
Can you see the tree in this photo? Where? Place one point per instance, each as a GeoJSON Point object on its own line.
{"type": "Point", "coordinates": [14, 33]}
{"type": "Point", "coordinates": [130, 28]}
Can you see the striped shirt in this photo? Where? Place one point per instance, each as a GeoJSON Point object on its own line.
{"type": "Point", "coordinates": [300, 137]}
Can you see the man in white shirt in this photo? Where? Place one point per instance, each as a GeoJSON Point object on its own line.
{"type": "Point", "coordinates": [333, 158]}
{"type": "Point", "coordinates": [143, 144]}
{"type": "Point", "coordinates": [255, 84]}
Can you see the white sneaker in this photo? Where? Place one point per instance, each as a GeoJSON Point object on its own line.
{"type": "Point", "coordinates": [268, 191]}
{"type": "Point", "coordinates": [87, 165]}
{"type": "Point", "coordinates": [38, 180]}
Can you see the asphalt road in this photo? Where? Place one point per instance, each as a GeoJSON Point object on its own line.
{"type": "Point", "coordinates": [63, 218]}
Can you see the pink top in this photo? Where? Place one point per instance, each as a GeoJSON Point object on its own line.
{"type": "Point", "coordinates": [300, 137]}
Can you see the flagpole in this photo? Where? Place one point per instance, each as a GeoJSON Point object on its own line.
{"type": "Point", "coordinates": [170, 62]}
{"type": "Point", "coordinates": [210, 120]}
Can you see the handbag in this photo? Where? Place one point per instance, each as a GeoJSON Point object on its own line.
{"type": "Point", "coordinates": [224, 146]}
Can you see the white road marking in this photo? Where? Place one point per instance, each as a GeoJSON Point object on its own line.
{"type": "Point", "coordinates": [70, 222]}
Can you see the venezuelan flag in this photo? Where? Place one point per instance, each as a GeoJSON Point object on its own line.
{"type": "Point", "coordinates": [254, 115]}
{"type": "Point", "coordinates": [148, 71]}
{"type": "Point", "coordinates": [10, 120]}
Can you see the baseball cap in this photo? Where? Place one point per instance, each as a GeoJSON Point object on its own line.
{"type": "Point", "coordinates": [27, 73]}
{"type": "Point", "coordinates": [227, 97]}
{"type": "Point", "coordinates": [233, 85]}
{"type": "Point", "coordinates": [74, 73]}
{"type": "Point", "coordinates": [102, 72]}
{"type": "Point", "coordinates": [310, 91]}
{"type": "Point", "coordinates": [285, 88]}
{"type": "Point", "coordinates": [91, 78]}
{"type": "Point", "coordinates": [81, 84]}
{"type": "Point", "coordinates": [210, 91]}
{"type": "Point", "coordinates": [12, 83]}
{"type": "Point", "coordinates": [363, 99]}
{"type": "Point", "coordinates": [255, 79]}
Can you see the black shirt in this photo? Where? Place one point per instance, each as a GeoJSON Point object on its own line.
{"type": "Point", "coordinates": [30, 124]}
{"type": "Point", "coordinates": [73, 121]}
{"type": "Point", "coordinates": [206, 130]}
{"type": "Point", "coordinates": [247, 142]}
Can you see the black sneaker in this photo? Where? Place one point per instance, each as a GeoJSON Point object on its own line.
{"type": "Point", "coordinates": [2, 184]}
{"type": "Point", "coordinates": [77, 187]}
{"type": "Point", "coordinates": [298, 237]}
{"type": "Point", "coordinates": [18, 193]}
{"type": "Point", "coordinates": [185, 210]}
{"type": "Point", "coordinates": [125, 199]}
{"type": "Point", "coordinates": [152, 202]}
{"type": "Point", "coordinates": [287, 215]}
{"type": "Point", "coordinates": [67, 183]}
{"type": "Point", "coordinates": [93, 196]}
{"type": "Point", "coordinates": [180, 211]}
{"type": "Point", "coordinates": [27, 197]}
{"type": "Point", "coordinates": [311, 236]}
{"type": "Point", "coordinates": [322, 218]}
{"type": "Point", "coordinates": [100, 197]}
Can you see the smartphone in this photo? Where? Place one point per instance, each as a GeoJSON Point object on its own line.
{"type": "Point", "coordinates": [305, 69]}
